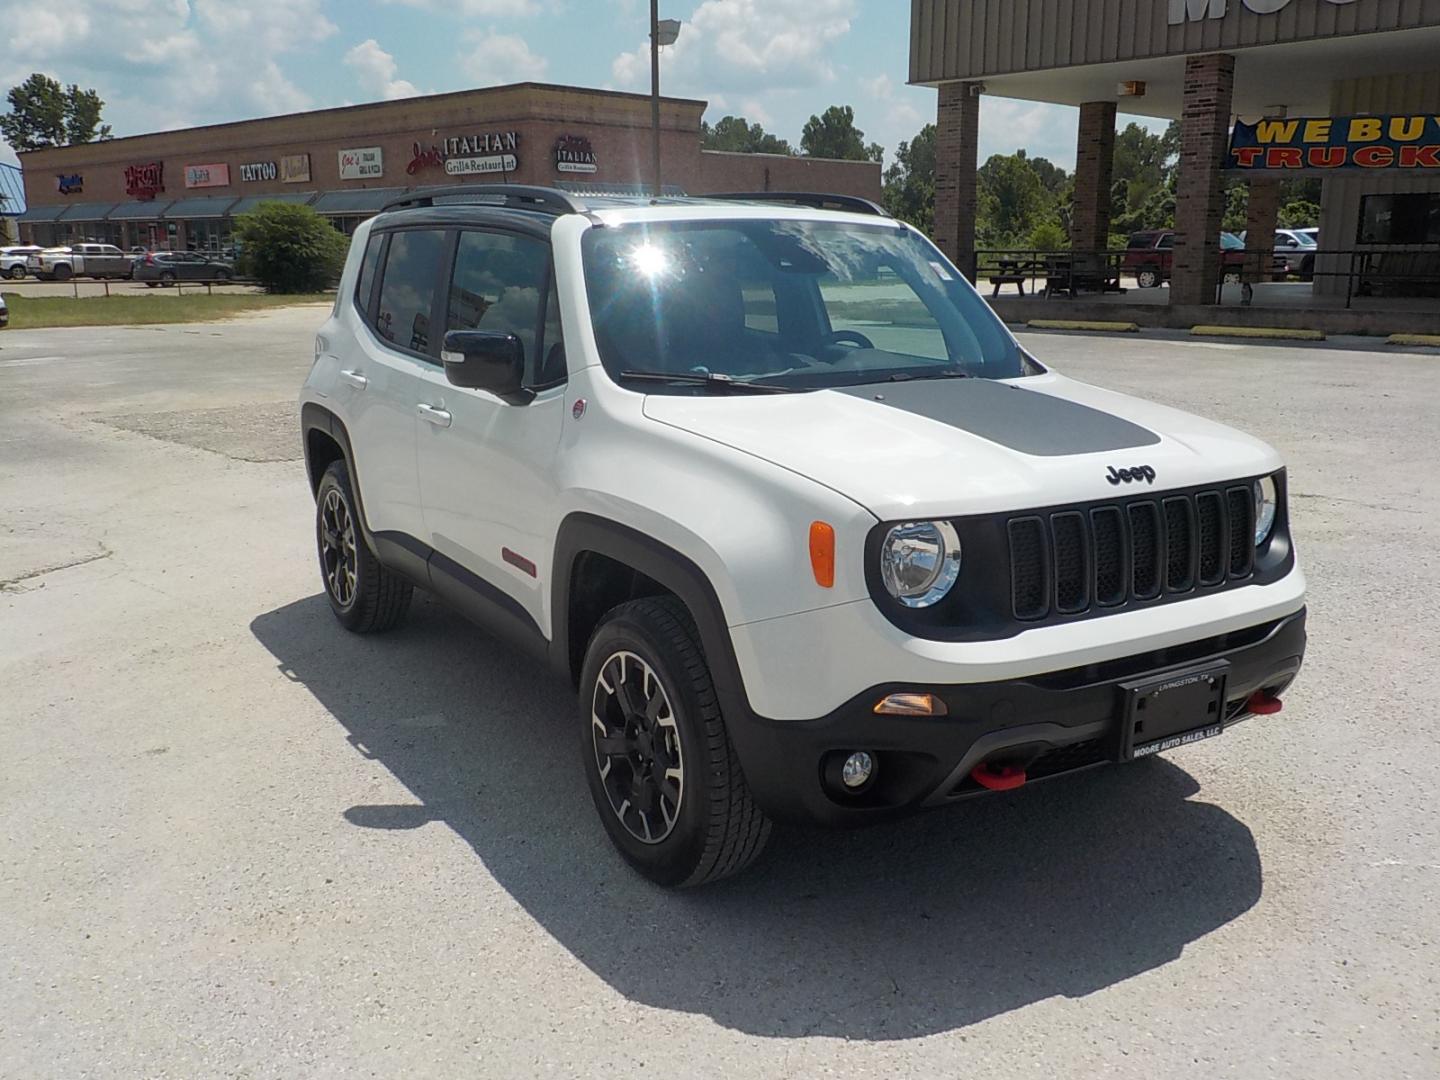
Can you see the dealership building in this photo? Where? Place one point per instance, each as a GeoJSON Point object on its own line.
{"type": "Point", "coordinates": [184, 189]}
{"type": "Point", "coordinates": [1347, 91]}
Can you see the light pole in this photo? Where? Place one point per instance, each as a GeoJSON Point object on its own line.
{"type": "Point", "coordinates": [661, 33]}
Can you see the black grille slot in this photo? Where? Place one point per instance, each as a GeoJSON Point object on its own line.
{"type": "Point", "coordinates": [1241, 504]}
{"type": "Point", "coordinates": [1072, 579]}
{"type": "Point", "coordinates": [1179, 546]}
{"type": "Point", "coordinates": [1109, 528]}
{"type": "Point", "coordinates": [1213, 539]}
{"type": "Point", "coordinates": [1029, 577]}
{"type": "Point", "coordinates": [1145, 540]}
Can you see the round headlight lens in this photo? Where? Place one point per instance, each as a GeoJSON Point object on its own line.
{"type": "Point", "coordinates": [920, 561]}
{"type": "Point", "coordinates": [1264, 509]}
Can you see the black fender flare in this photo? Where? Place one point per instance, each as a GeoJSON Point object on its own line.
{"type": "Point", "coordinates": [580, 532]}
{"type": "Point", "coordinates": [314, 417]}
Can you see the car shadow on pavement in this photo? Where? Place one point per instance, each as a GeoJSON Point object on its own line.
{"type": "Point", "coordinates": [896, 931]}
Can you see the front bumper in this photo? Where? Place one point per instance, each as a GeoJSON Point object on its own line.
{"type": "Point", "coordinates": [1053, 723]}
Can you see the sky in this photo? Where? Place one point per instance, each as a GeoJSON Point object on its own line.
{"type": "Point", "coordinates": [163, 64]}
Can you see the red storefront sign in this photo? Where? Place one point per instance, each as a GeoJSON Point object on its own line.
{"type": "Point", "coordinates": [145, 181]}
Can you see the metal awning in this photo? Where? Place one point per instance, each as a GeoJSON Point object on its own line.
{"type": "Point", "coordinates": [42, 213]}
{"type": "Point", "coordinates": [211, 206]}
{"type": "Point", "coordinates": [140, 211]}
{"type": "Point", "coordinates": [90, 211]}
{"type": "Point", "coordinates": [355, 201]}
{"type": "Point", "coordinates": [250, 202]}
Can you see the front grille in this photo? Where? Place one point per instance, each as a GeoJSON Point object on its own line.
{"type": "Point", "coordinates": [1066, 562]}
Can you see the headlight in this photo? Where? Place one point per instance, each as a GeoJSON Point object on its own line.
{"type": "Point", "coordinates": [919, 562]}
{"type": "Point", "coordinates": [1264, 509]}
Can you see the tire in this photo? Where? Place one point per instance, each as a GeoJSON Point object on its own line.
{"type": "Point", "coordinates": [16, 273]}
{"type": "Point", "coordinates": [167, 278]}
{"type": "Point", "coordinates": [365, 596]}
{"type": "Point", "coordinates": [1147, 277]}
{"type": "Point", "coordinates": [63, 272]}
{"type": "Point", "coordinates": [150, 284]}
{"type": "Point", "coordinates": [1307, 268]}
{"type": "Point", "coordinates": [1231, 277]}
{"type": "Point", "coordinates": [712, 828]}
{"type": "Point", "coordinates": [222, 275]}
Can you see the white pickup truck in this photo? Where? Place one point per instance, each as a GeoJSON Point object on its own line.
{"type": "Point", "coordinates": [79, 260]}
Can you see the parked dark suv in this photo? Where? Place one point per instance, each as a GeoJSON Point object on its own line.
{"type": "Point", "coordinates": [1148, 256]}
{"type": "Point", "coordinates": [166, 267]}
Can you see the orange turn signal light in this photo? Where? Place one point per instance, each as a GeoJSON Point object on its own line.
{"type": "Point", "coordinates": [822, 554]}
{"type": "Point", "coordinates": [911, 705]}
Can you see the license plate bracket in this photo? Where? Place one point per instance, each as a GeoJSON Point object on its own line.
{"type": "Point", "coordinates": [1173, 710]}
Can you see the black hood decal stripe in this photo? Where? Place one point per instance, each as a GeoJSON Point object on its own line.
{"type": "Point", "coordinates": [1009, 415]}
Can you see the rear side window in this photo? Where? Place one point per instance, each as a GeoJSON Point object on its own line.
{"type": "Point", "coordinates": [499, 284]}
{"type": "Point", "coordinates": [365, 283]}
{"type": "Point", "coordinates": [407, 289]}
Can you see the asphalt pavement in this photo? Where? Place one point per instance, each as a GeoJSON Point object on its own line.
{"type": "Point", "coordinates": [238, 842]}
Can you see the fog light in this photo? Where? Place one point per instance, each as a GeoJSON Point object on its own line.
{"type": "Point", "coordinates": [857, 770]}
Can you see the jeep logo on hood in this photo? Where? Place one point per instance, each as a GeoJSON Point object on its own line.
{"type": "Point", "coordinates": [1130, 476]}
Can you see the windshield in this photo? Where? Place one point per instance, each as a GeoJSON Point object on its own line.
{"type": "Point", "coordinates": [796, 304]}
{"type": "Point", "coordinates": [1231, 242]}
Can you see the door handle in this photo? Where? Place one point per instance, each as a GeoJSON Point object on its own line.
{"type": "Point", "coordinates": [438, 417]}
{"type": "Point", "coordinates": [355, 379]}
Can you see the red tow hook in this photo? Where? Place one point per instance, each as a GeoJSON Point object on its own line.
{"type": "Point", "coordinates": [1005, 778]}
{"type": "Point", "coordinates": [1262, 704]}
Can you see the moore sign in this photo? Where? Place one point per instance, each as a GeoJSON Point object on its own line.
{"type": "Point", "coordinates": [1180, 10]}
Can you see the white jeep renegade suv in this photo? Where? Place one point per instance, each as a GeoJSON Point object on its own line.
{"type": "Point", "coordinates": [767, 481]}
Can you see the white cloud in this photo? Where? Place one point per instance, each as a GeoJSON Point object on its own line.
{"type": "Point", "coordinates": [476, 9]}
{"type": "Point", "coordinates": [491, 58]}
{"type": "Point", "coordinates": [375, 70]}
{"type": "Point", "coordinates": [745, 46]}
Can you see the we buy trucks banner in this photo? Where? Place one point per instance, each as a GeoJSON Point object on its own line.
{"type": "Point", "coordinates": [1341, 142]}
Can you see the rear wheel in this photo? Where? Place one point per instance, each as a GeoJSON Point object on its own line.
{"type": "Point", "coordinates": [1307, 268]}
{"type": "Point", "coordinates": [167, 278]}
{"type": "Point", "coordinates": [1147, 277]}
{"type": "Point", "coordinates": [1232, 277]}
{"type": "Point", "coordinates": [222, 275]}
{"type": "Point", "coordinates": [661, 768]}
{"type": "Point", "coordinates": [63, 272]}
{"type": "Point", "coordinates": [365, 596]}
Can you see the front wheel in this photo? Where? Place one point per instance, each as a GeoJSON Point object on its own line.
{"type": "Point", "coordinates": [1307, 268]}
{"type": "Point", "coordinates": [167, 279]}
{"type": "Point", "coordinates": [365, 596]}
{"type": "Point", "coordinates": [1147, 277]}
{"type": "Point", "coordinates": [16, 273]}
{"type": "Point", "coordinates": [64, 273]}
{"type": "Point", "coordinates": [660, 765]}
{"type": "Point", "coordinates": [1232, 277]}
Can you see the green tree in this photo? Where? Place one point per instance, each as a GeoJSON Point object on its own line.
{"type": "Point", "coordinates": [1143, 171]}
{"type": "Point", "coordinates": [1299, 214]}
{"type": "Point", "coordinates": [910, 181]}
{"type": "Point", "coordinates": [43, 113]}
{"type": "Point", "coordinates": [833, 134]}
{"type": "Point", "coordinates": [1012, 201]}
{"type": "Point", "coordinates": [290, 248]}
{"type": "Point", "coordinates": [737, 135]}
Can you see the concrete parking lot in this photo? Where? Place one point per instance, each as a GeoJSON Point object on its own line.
{"type": "Point", "coordinates": [238, 842]}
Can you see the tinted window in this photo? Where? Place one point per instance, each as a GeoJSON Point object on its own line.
{"type": "Point", "coordinates": [407, 289]}
{"type": "Point", "coordinates": [497, 285]}
{"type": "Point", "coordinates": [1166, 242]}
{"type": "Point", "coordinates": [365, 283]}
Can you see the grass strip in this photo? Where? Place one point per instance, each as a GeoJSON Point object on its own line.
{"type": "Point", "coordinates": [40, 312]}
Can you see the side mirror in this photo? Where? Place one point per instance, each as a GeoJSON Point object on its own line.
{"type": "Point", "coordinates": [487, 360]}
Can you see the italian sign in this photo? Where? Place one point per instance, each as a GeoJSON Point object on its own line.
{"type": "Point", "coordinates": [364, 163]}
{"type": "Point", "coordinates": [473, 166]}
{"type": "Point", "coordinates": [295, 169]}
{"type": "Point", "coordinates": [574, 154]}
{"type": "Point", "coordinates": [207, 176]}
{"type": "Point", "coordinates": [1341, 142]}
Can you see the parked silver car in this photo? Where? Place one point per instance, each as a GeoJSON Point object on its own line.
{"type": "Point", "coordinates": [167, 267]}
{"type": "Point", "coordinates": [12, 260]}
{"type": "Point", "coordinates": [1296, 248]}
{"type": "Point", "coordinates": [4, 314]}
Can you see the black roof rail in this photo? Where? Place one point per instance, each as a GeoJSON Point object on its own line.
{"type": "Point", "coordinates": [819, 200]}
{"type": "Point", "coordinates": [513, 196]}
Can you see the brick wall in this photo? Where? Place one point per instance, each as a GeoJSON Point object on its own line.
{"type": "Point", "coordinates": [957, 144]}
{"type": "Point", "coordinates": [1094, 169]}
{"type": "Point", "coordinates": [719, 172]}
{"type": "Point", "coordinates": [1199, 205]}
{"type": "Point", "coordinates": [1261, 215]}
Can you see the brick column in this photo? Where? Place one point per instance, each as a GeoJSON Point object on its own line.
{"type": "Point", "coordinates": [957, 146]}
{"type": "Point", "coordinates": [1199, 203]}
{"type": "Point", "coordinates": [1094, 169]}
{"type": "Point", "coordinates": [1261, 215]}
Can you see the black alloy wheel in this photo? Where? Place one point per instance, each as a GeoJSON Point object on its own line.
{"type": "Point", "coordinates": [338, 556]}
{"type": "Point", "coordinates": [364, 595]}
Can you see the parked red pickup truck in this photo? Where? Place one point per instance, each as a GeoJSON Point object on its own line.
{"type": "Point", "coordinates": [1149, 254]}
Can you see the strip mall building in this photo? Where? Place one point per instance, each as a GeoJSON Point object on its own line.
{"type": "Point", "coordinates": [1344, 90]}
{"type": "Point", "coordinates": [183, 189]}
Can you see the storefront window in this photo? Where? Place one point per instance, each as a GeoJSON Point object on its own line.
{"type": "Point", "coordinates": [208, 234]}
{"type": "Point", "coordinates": [1400, 219]}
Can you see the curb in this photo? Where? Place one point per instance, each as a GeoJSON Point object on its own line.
{"type": "Point", "coordinates": [1271, 333]}
{"type": "Point", "coordinates": [1431, 341]}
{"type": "Point", "coordinates": [1084, 324]}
